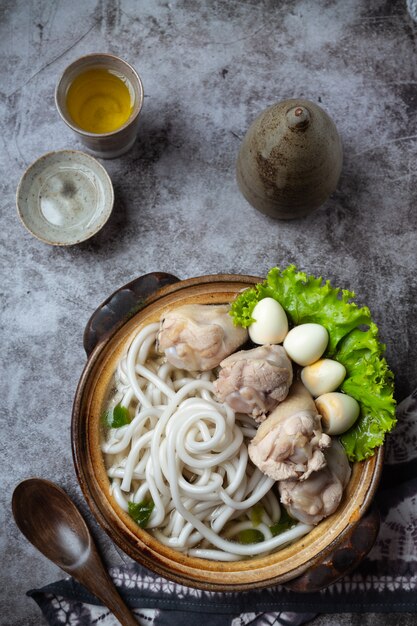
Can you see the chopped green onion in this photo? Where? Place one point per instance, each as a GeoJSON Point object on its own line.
{"type": "Point", "coordinates": [285, 523]}
{"type": "Point", "coordinates": [250, 535]}
{"type": "Point", "coordinates": [256, 514]}
{"type": "Point", "coordinates": [141, 511]}
{"type": "Point", "coordinates": [116, 417]}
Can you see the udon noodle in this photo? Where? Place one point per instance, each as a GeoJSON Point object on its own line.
{"type": "Point", "coordinates": [188, 453]}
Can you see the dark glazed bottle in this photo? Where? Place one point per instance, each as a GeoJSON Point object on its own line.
{"type": "Point", "coordinates": [290, 159]}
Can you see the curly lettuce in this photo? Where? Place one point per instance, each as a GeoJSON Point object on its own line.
{"type": "Point", "coordinates": [353, 341]}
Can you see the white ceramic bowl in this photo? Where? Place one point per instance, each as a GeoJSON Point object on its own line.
{"type": "Point", "coordinates": [64, 197]}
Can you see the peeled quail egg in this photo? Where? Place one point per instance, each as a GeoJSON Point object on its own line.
{"type": "Point", "coordinates": [306, 343]}
{"type": "Point", "coordinates": [323, 376]}
{"type": "Point", "coordinates": [338, 411]}
{"type": "Point", "coordinates": [271, 324]}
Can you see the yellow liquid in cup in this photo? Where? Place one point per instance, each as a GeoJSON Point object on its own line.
{"type": "Point", "coordinates": [99, 101]}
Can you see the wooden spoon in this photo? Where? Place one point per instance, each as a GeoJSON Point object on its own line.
{"type": "Point", "coordinates": [52, 523]}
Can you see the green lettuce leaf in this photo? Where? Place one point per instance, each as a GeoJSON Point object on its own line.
{"type": "Point", "coordinates": [369, 380]}
{"type": "Point", "coordinates": [305, 299]}
{"type": "Point", "coordinates": [371, 383]}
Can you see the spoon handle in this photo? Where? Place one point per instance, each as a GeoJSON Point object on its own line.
{"type": "Point", "coordinates": [113, 601]}
{"type": "Point", "coordinates": [94, 576]}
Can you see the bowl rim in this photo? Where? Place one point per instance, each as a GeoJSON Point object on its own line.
{"type": "Point", "coordinates": [140, 545]}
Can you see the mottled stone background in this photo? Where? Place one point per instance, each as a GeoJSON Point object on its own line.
{"type": "Point", "coordinates": [208, 69]}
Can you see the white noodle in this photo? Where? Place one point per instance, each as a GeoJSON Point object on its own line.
{"type": "Point", "coordinates": [188, 453]}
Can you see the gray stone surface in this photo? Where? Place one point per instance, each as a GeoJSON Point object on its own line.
{"type": "Point", "coordinates": [208, 69]}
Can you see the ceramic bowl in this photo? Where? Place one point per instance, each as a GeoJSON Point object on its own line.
{"type": "Point", "coordinates": [107, 336]}
{"type": "Point", "coordinates": [115, 143]}
{"type": "Point", "coordinates": [64, 197]}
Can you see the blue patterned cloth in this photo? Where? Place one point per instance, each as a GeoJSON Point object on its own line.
{"type": "Point", "coordinates": [386, 580]}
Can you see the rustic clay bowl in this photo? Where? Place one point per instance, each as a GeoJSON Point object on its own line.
{"type": "Point", "coordinates": [334, 547]}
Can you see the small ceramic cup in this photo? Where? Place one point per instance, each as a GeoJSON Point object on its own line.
{"type": "Point", "coordinates": [111, 144]}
